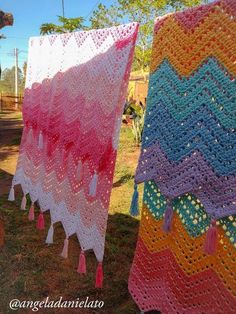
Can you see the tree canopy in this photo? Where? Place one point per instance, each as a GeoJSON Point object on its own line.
{"type": "Point", "coordinates": [123, 11]}
{"type": "Point", "coordinates": [7, 82]}
{"type": "Point", "coordinates": [67, 25]}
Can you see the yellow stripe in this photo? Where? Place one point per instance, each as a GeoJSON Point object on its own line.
{"type": "Point", "coordinates": [188, 250]}
{"type": "Point", "coordinates": [186, 50]}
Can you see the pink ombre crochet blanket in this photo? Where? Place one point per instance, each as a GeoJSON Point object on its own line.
{"type": "Point", "coordinates": [75, 91]}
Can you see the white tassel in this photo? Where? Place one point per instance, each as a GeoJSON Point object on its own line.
{"type": "Point", "coordinates": [64, 252]}
{"type": "Point", "coordinates": [40, 143]}
{"type": "Point", "coordinates": [30, 136]}
{"type": "Point", "coordinates": [23, 203]}
{"type": "Point", "coordinates": [11, 196]}
{"type": "Point", "coordinates": [93, 185]}
{"type": "Point", "coordinates": [49, 239]}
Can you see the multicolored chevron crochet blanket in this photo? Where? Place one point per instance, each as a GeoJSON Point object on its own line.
{"type": "Point", "coordinates": [170, 271]}
{"type": "Point", "coordinates": [74, 98]}
{"type": "Point", "coordinates": [185, 260]}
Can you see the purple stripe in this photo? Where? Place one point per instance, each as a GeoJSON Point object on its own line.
{"type": "Point", "coordinates": [191, 175]}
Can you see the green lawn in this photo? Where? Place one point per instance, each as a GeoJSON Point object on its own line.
{"type": "Point", "coordinates": [31, 270]}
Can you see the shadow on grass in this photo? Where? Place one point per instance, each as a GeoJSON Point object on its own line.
{"type": "Point", "coordinates": [10, 135]}
{"type": "Point", "coordinates": [31, 270]}
{"type": "Point", "coordinates": [123, 180]}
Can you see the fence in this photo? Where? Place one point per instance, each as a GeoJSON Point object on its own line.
{"type": "Point", "coordinates": [10, 103]}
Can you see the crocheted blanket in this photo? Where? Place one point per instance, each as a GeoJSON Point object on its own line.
{"type": "Point", "coordinates": [189, 140]}
{"type": "Point", "coordinates": [74, 98]}
{"type": "Point", "coordinates": [170, 271]}
{"type": "Point", "coordinates": [185, 256]}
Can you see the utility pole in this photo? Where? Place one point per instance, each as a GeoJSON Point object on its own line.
{"type": "Point", "coordinates": [63, 8]}
{"type": "Point", "coordinates": [16, 52]}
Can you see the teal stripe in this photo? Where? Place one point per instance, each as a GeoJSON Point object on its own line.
{"type": "Point", "coordinates": [189, 209]}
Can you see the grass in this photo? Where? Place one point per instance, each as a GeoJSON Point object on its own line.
{"type": "Point", "coordinates": [30, 270]}
{"type": "Point", "coordinates": [15, 141]}
{"type": "Point", "coordinates": [17, 116]}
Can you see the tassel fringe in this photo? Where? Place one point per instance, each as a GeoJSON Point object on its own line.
{"type": "Point", "coordinates": [49, 239]}
{"type": "Point", "coordinates": [30, 137]}
{"type": "Point", "coordinates": [64, 252]}
{"type": "Point", "coordinates": [82, 263]}
{"type": "Point", "coordinates": [23, 203]}
{"type": "Point", "coordinates": [99, 276]}
{"type": "Point", "coordinates": [11, 196]}
{"type": "Point", "coordinates": [134, 208]}
{"type": "Point", "coordinates": [93, 185]}
{"type": "Point", "coordinates": [168, 217]}
{"type": "Point", "coordinates": [40, 222]}
{"type": "Point", "coordinates": [210, 245]}
{"type": "Point", "coordinates": [40, 143]}
{"type": "Point", "coordinates": [31, 212]}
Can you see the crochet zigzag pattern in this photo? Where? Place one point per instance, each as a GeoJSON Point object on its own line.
{"type": "Point", "coordinates": [185, 255]}
{"type": "Point", "coordinates": [74, 97]}
{"type": "Point", "coordinates": [171, 272]}
{"type": "Point", "coordinates": [189, 140]}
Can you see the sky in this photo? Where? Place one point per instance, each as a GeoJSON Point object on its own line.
{"type": "Point", "coordinates": [28, 17]}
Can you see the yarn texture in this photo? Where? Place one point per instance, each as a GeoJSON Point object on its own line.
{"type": "Point", "coordinates": [185, 255]}
{"type": "Point", "coordinates": [171, 271]}
{"type": "Point", "coordinates": [189, 138]}
{"type": "Point", "coordinates": [75, 90]}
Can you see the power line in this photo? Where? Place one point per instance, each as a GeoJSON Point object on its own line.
{"type": "Point", "coordinates": [12, 53]}
{"type": "Point", "coordinates": [7, 52]}
{"type": "Point", "coordinates": [63, 8]}
{"type": "Point", "coordinates": [92, 10]}
{"type": "Point", "coordinates": [15, 54]}
{"type": "Point", "coordinates": [16, 37]}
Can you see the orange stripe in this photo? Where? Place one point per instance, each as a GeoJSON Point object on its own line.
{"type": "Point", "coordinates": [186, 50]}
{"type": "Point", "coordinates": [188, 250]}
{"type": "Point", "coordinates": [157, 282]}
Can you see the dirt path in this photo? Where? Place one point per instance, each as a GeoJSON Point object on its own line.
{"type": "Point", "coordinates": [10, 133]}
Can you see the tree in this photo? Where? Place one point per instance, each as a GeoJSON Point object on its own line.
{"type": "Point", "coordinates": [68, 25]}
{"type": "Point", "coordinates": [8, 80]}
{"type": "Point", "coordinates": [104, 17]}
{"type": "Point", "coordinates": [123, 11]}
{"type": "Point", "coordinates": [142, 11]}
{"type": "Point", "coordinates": [24, 68]}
